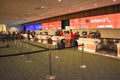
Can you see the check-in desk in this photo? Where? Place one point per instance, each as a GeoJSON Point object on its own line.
{"type": "Point", "coordinates": [90, 44]}
{"type": "Point", "coordinates": [39, 38]}
{"type": "Point", "coordinates": [45, 38]}
{"type": "Point", "coordinates": [56, 39]}
{"type": "Point", "coordinates": [118, 49]}
{"type": "Point", "coordinates": [25, 36]}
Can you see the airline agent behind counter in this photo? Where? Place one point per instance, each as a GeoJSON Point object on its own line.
{"type": "Point", "coordinates": [98, 35]}
{"type": "Point", "coordinates": [89, 34]}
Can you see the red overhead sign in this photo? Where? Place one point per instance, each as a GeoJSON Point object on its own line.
{"type": "Point", "coordinates": [102, 21]}
{"type": "Point", "coordinates": [51, 25]}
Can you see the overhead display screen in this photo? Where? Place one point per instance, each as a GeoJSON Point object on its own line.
{"type": "Point", "coordinates": [51, 25]}
{"type": "Point", "coordinates": [34, 27]}
{"type": "Point", "coordinates": [102, 21]}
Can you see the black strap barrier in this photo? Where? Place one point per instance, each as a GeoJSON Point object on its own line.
{"type": "Point", "coordinates": [35, 45]}
{"type": "Point", "coordinates": [50, 76]}
{"type": "Point", "coordinates": [26, 53]}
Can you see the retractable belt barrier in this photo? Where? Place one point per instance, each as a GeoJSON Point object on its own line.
{"type": "Point", "coordinates": [34, 52]}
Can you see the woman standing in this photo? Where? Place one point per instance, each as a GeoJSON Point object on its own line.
{"type": "Point", "coordinates": [67, 39]}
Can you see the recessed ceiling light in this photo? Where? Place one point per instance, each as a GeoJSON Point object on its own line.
{"type": "Point", "coordinates": [37, 8]}
{"type": "Point", "coordinates": [95, 4]}
{"type": "Point", "coordinates": [114, 0]}
{"type": "Point", "coordinates": [42, 7]}
{"type": "Point", "coordinates": [80, 7]}
{"type": "Point", "coordinates": [59, 0]}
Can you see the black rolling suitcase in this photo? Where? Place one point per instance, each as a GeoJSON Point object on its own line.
{"type": "Point", "coordinates": [61, 45]}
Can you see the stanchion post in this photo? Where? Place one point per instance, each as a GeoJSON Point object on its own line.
{"type": "Point", "coordinates": [50, 76]}
{"type": "Point", "coordinates": [28, 56]}
{"type": "Point", "coordinates": [83, 65]}
{"type": "Point", "coordinates": [21, 47]}
{"type": "Point", "coordinates": [82, 54]}
{"type": "Point", "coordinates": [50, 66]}
{"type": "Point", "coordinates": [15, 44]}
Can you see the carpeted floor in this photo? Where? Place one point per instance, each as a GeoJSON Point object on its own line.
{"type": "Point", "coordinates": [65, 63]}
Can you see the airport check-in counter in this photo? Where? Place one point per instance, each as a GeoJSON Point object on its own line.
{"type": "Point", "coordinates": [90, 44]}
{"type": "Point", "coordinates": [25, 36]}
{"type": "Point", "coordinates": [39, 38]}
{"type": "Point", "coordinates": [45, 38]}
{"type": "Point", "coordinates": [56, 39]}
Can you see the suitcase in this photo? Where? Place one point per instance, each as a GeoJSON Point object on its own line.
{"type": "Point", "coordinates": [61, 45]}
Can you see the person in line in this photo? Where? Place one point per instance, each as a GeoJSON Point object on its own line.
{"type": "Point", "coordinates": [33, 34]}
{"type": "Point", "coordinates": [28, 34]}
{"type": "Point", "coordinates": [72, 40]}
{"type": "Point", "coordinates": [61, 33]}
{"type": "Point", "coordinates": [77, 35]}
{"type": "Point", "coordinates": [67, 39]}
{"type": "Point", "coordinates": [13, 35]}
{"type": "Point", "coordinates": [19, 35]}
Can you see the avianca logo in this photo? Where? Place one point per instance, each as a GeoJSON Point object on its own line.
{"type": "Point", "coordinates": [100, 20]}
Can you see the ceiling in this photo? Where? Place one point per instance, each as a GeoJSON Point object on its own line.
{"type": "Point", "coordinates": [15, 12]}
